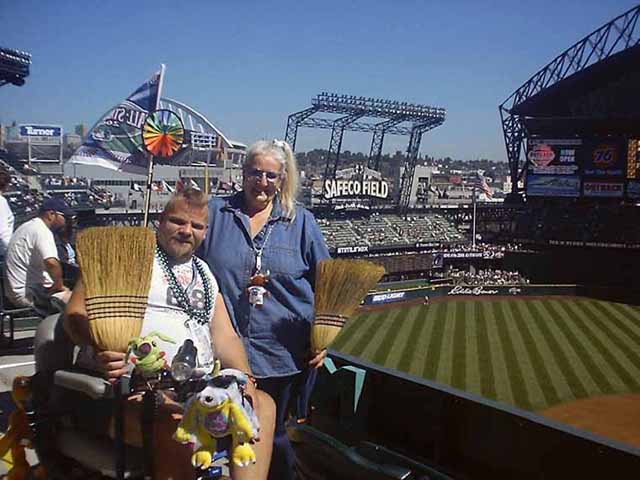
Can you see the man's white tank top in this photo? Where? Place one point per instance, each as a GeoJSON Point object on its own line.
{"type": "Point", "coordinates": [163, 313]}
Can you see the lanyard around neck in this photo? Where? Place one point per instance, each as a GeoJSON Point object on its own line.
{"type": "Point", "coordinates": [258, 251]}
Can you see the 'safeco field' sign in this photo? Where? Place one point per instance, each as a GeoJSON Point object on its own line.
{"type": "Point", "coordinates": [354, 188]}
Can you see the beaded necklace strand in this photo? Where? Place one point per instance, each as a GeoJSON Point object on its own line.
{"type": "Point", "coordinates": [180, 294]}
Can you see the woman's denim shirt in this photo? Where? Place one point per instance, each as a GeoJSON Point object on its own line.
{"type": "Point", "coordinates": [276, 334]}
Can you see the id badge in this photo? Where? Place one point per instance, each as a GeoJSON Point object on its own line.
{"type": "Point", "coordinates": [201, 337]}
{"type": "Point", "coordinates": [256, 295]}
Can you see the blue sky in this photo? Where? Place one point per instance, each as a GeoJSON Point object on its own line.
{"type": "Point", "coordinates": [247, 65]}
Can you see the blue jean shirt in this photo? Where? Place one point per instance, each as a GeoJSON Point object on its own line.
{"type": "Point", "coordinates": [276, 334]}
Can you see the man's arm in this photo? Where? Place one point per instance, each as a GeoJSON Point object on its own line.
{"type": "Point", "coordinates": [76, 321]}
{"type": "Point", "coordinates": [227, 344]}
{"type": "Point", "coordinates": [54, 269]}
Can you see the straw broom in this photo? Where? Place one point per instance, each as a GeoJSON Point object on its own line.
{"type": "Point", "coordinates": [341, 285]}
{"type": "Point", "coordinates": [116, 265]}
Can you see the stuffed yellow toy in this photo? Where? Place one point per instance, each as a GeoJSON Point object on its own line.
{"type": "Point", "coordinates": [19, 434]}
{"type": "Point", "coordinates": [217, 411]}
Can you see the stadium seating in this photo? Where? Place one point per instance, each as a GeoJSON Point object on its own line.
{"type": "Point", "coordinates": [389, 230]}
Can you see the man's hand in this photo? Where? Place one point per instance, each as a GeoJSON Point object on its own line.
{"type": "Point", "coordinates": [317, 359]}
{"type": "Point", "coordinates": [112, 364]}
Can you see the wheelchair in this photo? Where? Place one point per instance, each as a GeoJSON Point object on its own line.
{"type": "Point", "coordinates": [63, 450]}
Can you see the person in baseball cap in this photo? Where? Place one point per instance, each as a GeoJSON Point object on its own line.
{"type": "Point", "coordinates": [57, 205]}
{"type": "Point", "coordinates": [32, 267]}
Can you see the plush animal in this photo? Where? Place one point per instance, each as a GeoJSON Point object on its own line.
{"type": "Point", "coordinates": [148, 359]}
{"type": "Point", "coordinates": [18, 434]}
{"type": "Point", "coordinates": [217, 411]}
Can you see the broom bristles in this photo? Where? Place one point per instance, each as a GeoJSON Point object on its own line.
{"type": "Point", "coordinates": [116, 265]}
{"type": "Point", "coordinates": [341, 284]}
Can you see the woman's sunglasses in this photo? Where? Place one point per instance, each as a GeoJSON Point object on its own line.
{"type": "Point", "coordinates": [256, 174]}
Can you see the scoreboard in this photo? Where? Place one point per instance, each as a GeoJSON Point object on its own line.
{"type": "Point", "coordinates": [583, 167]}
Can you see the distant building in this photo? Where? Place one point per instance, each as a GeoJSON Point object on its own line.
{"type": "Point", "coordinates": [81, 130]}
{"type": "Point", "coordinates": [71, 140]}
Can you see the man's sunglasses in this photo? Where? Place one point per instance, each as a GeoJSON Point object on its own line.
{"type": "Point", "coordinates": [256, 174]}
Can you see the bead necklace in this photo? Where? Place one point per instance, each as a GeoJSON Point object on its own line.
{"type": "Point", "coordinates": [180, 294]}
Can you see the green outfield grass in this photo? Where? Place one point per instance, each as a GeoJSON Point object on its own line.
{"type": "Point", "coordinates": [529, 353]}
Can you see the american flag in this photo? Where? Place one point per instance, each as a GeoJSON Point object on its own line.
{"type": "Point", "coordinates": [480, 183]}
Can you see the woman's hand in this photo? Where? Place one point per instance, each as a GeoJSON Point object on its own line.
{"type": "Point", "coordinates": [250, 390]}
{"type": "Point", "coordinates": [317, 359]}
{"type": "Point", "coordinates": [112, 364]}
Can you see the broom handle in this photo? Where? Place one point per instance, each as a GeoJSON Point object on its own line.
{"type": "Point", "coordinates": [147, 200]}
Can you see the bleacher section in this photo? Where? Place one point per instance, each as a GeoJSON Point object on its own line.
{"type": "Point", "coordinates": [26, 193]}
{"type": "Point", "coordinates": [390, 230]}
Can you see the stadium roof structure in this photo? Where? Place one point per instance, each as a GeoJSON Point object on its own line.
{"type": "Point", "coordinates": [14, 66]}
{"type": "Point", "coordinates": [398, 118]}
{"type": "Point", "coordinates": [194, 121]}
{"type": "Point", "coordinates": [592, 88]}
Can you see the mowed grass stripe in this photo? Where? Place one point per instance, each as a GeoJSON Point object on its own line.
{"type": "Point", "coordinates": [611, 347]}
{"type": "Point", "coordinates": [473, 357]}
{"type": "Point", "coordinates": [578, 355]}
{"type": "Point", "coordinates": [616, 332]}
{"type": "Point", "coordinates": [416, 342]}
{"type": "Point", "coordinates": [417, 362]}
{"type": "Point", "coordinates": [626, 318]}
{"type": "Point", "coordinates": [498, 357]}
{"type": "Point", "coordinates": [447, 354]}
{"type": "Point", "coordinates": [384, 330]}
{"type": "Point", "coordinates": [356, 334]}
{"type": "Point", "coordinates": [596, 357]}
{"type": "Point", "coordinates": [459, 351]}
{"type": "Point", "coordinates": [630, 313]}
{"type": "Point", "coordinates": [517, 328]}
{"type": "Point", "coordinates": [395, 344]}
{"type": "Point", "coordinates": [485, 363]}
{"type": "Point", "coordinates": [432, 359]}
{"type": "Point", "coordinates": [513, 365]}
{"type": "Point", "coordinates": [544, 323]}
{"type": "Point", "coordinates": [543, 367]}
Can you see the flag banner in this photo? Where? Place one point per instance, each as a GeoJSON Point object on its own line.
{"type": "Point", "coordinates": [480, 183]}
{"type": "Point", "coordinates": [115, 141]}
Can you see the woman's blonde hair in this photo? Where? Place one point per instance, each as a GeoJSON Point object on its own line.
{"type": "Point", "coordinates": [282, 152]}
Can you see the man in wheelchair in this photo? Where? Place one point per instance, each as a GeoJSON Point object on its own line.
{"type": "Point", "coordinates": [178, 277]}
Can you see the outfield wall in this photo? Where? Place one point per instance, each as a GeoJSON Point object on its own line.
{"type": "Point", "coordinates": [439, 292]}
{"type": "Point", "coordinates": [625, 295]}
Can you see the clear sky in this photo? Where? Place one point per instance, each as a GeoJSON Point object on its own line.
{"type": "Point", "coordinates": [248, 64]}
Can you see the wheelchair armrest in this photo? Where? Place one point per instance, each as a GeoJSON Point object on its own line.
{"type": "Point", "coordinates": [94, 387]}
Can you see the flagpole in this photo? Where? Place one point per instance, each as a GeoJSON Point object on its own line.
{"type": "Point", "coordinates": [147, 200]}
{"type": "Point", "coordinates": [473, 241]}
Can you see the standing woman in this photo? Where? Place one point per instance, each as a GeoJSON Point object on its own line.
{"type": "Point", "coordinates": [263, 249]}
